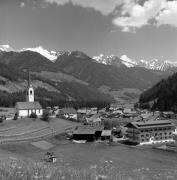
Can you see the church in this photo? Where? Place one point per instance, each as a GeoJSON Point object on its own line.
{"type": "Point", "coordinates": [25, 109]}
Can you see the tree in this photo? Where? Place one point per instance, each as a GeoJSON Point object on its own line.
{"type": "Point", "coordinates": [1, 119]}
{"type": "Point", "coordinates": [16, 116]}
{"type": "Point", "coordinates": [33, 115]}
{"type": "Point", "coordinates": [45, 116]}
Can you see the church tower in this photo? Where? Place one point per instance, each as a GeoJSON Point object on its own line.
{"type": "Point", "coordinates": [30, 90]}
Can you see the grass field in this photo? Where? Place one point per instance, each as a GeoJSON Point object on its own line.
{"type": "Point", "coordinates": [124, 162]}
{"type": "Point", "coordinates": [86, 161]}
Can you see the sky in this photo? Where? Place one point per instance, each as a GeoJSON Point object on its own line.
{"type": "Point", "coordinates": [139, 29]}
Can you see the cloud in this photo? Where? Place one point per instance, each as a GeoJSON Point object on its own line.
{"type": "Point", "coordinates": [104, 6]}
{"type": "Point", "coordinates": [130, 15]}
{"type": "Point", "coordinates": [22, 4]}
{"type": "Point", "coordinates": [169, 15]}
{"type": "Point", "coordinates": [135, 15]}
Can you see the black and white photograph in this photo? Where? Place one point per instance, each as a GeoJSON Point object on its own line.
{"type": "Point", "coordinates": [88, 89]}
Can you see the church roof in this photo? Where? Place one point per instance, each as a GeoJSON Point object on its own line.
{"type": "Point", "coordinates": [28, 105]}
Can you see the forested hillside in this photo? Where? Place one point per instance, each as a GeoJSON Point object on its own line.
{"type": "Point", "coordinates": [162, 96]}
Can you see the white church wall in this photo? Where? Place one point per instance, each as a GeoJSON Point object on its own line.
{"type": "Point", "coordinates": [23, 113]}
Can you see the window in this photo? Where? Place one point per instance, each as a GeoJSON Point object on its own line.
{"type": "Point", "coordinates": [31, 92]}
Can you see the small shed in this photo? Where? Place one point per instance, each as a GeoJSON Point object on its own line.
{"type": "Point", "coordinates": [106, 134]}
{"type": "Point", "coordinates": [49, 157]}
{"type": "Point", "coordinates": [84, 134]}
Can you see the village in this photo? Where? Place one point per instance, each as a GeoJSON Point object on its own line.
{"type": "Point", "coordinates": [121, 123]}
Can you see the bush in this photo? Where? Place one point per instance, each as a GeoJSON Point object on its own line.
{"type": "Point", "coordinates": [45, 116]}
{"type": "Point", "coordinates": [16, 116]}
{"type": "Point", "coordinates": [1, 119]}
{"type": "Point", "coordinates": [33, 115]}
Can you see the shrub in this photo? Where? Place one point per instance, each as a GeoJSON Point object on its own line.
{"type": "Point", "coordinates": [33, 115]}
{"type": "Point", "coordinates": [45, 116]}
{"type": "Point", "coordinates": [1, 119]}
{"type": "Point", "coordinates": [16, 116]}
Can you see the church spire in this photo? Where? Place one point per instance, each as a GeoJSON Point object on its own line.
{"type": "Point", "coordinates": [30, 90]}
{"type": "Point", "coordinates": [29, 77]}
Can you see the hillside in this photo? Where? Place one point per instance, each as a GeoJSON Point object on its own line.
{"type": "Point", "coordinates": [74, 76]}
{"type": "Point", "coordinates": [98, 74]}
{"type": "Point", "coordinates": [26, 59]}
{"type": "Point", "coordinates": [162, 96]}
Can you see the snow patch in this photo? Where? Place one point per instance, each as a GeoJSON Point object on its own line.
{"type": "Point", "coordinates": [127, 61]}
{"type": "Point", "coordinates": [51, 55]}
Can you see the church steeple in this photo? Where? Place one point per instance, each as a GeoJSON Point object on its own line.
{"type": "Point", "coordinates": [30, 90]}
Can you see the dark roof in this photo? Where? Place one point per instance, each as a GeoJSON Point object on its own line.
{"type": "Point", "coordinates": [28, 105]}
{"type": "Point", "coordinates": [151, 124]}
{"type": "Point", "coordinates": [69, 111]}
{"type": "Point", "coordinates": [84, 131]}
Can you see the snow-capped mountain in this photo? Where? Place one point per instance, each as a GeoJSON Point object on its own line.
{"type": "Point", "coordinates": [114, 60]}
{"type": "Point", "coordinates": [6, 48]}
{"type": "Point", "coordinates": [154, 64]}
{"type": "Point", "coordinates": [51, 55]}
{"type": "Point", "coordinates": [157, 64]}
{"type": "Point", "coordinates": [128, 62]}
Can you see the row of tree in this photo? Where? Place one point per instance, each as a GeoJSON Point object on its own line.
{"type": "Point", "coordinates": [48, 99]}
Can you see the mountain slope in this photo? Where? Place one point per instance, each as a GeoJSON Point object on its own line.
{"type": "Point", "coordinates": [26, 59]}
{"type": "Point", "coordinates": [163, 96]}
{"type": "Point", "coordinates": [98, 74]}
{"type": "Point", "coordinates": [51, 88]}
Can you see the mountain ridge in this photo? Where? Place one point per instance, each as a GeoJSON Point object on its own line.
{"type": "Point", "coordinates": [153, 64]}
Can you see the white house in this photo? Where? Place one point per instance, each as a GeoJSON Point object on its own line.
{"type": "Point", "coordinates": [69, 113]}
{"type": "Point", "coordinates": [25, 109]}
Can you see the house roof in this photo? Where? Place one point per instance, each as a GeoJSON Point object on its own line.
{"type": "Point", "coordinates": [151, 124]}
{"type": "Point", "coordinates": [106, 133]}
{"type": "Point", "coordinates": [69, 111]}
{"type": "Point", "coordinates": [28, 105]}
{"type": "Point", "coordinates": [84, 131]}
{"type": "Point", "coordinates": [94, 118]}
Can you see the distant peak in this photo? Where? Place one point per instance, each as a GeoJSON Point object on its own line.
{"type": "Point", "coordinates": [6, 48]}
{"type": "Point", "coordinates": [115, 60]}
{"type": "Point", "coordinates": [51, 55]}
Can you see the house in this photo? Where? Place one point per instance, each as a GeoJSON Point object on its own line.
{"type": "Point", "coordinates": [114, 107]}
{"type": "Point", "coordinates": [94, 120]}
{"type": "Point", "coordinates": [169, 115]}
{"type": "Point", "coordinates": [82, 111]}
{"type": "Point", "coordinates": [25, 109]}
{"type": "Point", "coordinates": [84, 134]}
{"type": "Point", "coordinates": [106, 134]}
{"type": "Point", "coordinates": [69, 113]}
{"type": "Point", "coordinates": [150, 132]}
